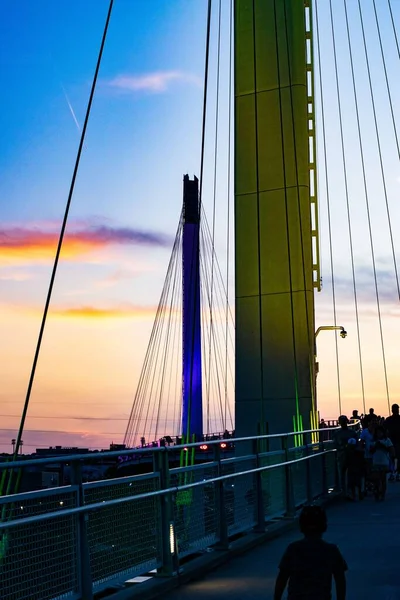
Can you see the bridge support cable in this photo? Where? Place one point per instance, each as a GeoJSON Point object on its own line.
{"type": "Point", "coordinates": [328, 202]}
{"type": "Point", "coordinates": [136, 421]}
{"type": "Point", "coordinates": [177, 325]}
{"type": "Point", "coordinates": [377, 130]}
{"type": "Point", "coordinates": [59, 246]}
{"type": "Point", "coordinates": [219, 296]}
{"type": "Point", "coordinates": [228, 195]}
{"type": "Point", "coordinates": [205, 99]}
{"type": "Point", "coordinates": [366, 192]}
{"type": "Point", "coordinates": [343, 152]}
{"type": "Point", "coordinates": [195, 266]}
{"type": "Point", "coordinates": [219, 277]}
{"type": "Point", "coordinates": [394, 28]}
{"type": "Point", "coordinates": [215, 365]}
{"type": "Point", "coordinates": [155, 383]}
{"type": "Point", "coordinates": [138, 424]}
{"type": "Point", "coordinates": [214, 183]}
{"type": "Point", "coordinates": [174, 301]}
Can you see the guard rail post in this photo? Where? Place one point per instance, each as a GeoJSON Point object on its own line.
{"type": "Point", "coordinates": [223, 541]}
{"type": "Point", "coordinates": [83, 554]}
{"type": "Point", "coordinates": [338, 481]}
{"type": "Point", "coordinates": [308, 452]}
{"type": "Point", "coordinates": [290, 502]}
{"type": "Point", "coordinates": [168, 544]}
{"type": "Point", "coordinates": [259, 496]}
{"type": "Point", "coordinates": [323, 467]}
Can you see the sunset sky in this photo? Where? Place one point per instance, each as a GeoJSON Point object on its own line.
{"type": "Point", "coordinates": [143, 136]}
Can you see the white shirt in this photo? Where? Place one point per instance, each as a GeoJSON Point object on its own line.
{"type": "Point", "coordinates": [381, 455]}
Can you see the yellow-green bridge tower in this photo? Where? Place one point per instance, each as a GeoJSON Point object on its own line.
{"type": "Point", "coordinates": [276, 217]}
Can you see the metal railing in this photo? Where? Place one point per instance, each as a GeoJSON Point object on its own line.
{"type": "Point", "coordinates": [74, 540]}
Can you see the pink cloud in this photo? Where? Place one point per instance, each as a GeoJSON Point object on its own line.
{"type": "Point", "coordinates": [30, 244]}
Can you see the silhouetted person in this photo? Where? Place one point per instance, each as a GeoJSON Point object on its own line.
{"type": "Point", "coordinates": [325, 435]}
{"type": "Point", "coordinates": [392, 425]}
{"type": "Point", "coordinates": [355, 468]}
{"type": "Point", "coordinates": [382, 450]}
{"type": "Point", "coordinates": [355, 418]}
{"type": "Point", "coordinates": [369, 417]}
{"type": "Point", "coordinates": [341, 439]}
{"type": "Point", "coordinates": [309, 564]}
{"type": "Point", "coordinates": [367, 438]}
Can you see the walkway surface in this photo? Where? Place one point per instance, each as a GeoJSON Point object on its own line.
{"type": "Point", "coordinates": [367, 533]}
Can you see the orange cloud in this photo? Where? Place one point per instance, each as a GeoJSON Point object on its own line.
{"type": "Point", "coordinates": [92, 312]}
{"type": "Point", "coordinates": [35, 245]}
{"type": "Point", "coordinates": [125, 311]}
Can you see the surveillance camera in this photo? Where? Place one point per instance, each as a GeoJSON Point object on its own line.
{"type": "Point", "coordinates": [343, 333]}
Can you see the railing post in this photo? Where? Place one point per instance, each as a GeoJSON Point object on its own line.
{"type": "Point", "coordinates": [307, 440]}
{"type": "Point", "coordinates": [290, 502]}
{"type": "Point", "coordinates": [338, 483]}
{"type": "Point", "coordinates": [259, 496]}
{"type": "Point", "coordinates": [83, 554]}
{"type": "Point", "coordinates": [323, 467]}
{"type": "Point", "coordinates": [168, 543]}
{"type": "Point", "coordinates": [223, 541]}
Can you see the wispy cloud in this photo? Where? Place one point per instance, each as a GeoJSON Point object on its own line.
{"type": "Point", "coordinates": [84, 311]}
{"type": "Point", "coordinates": [94, 312]}
{"type": "Point", "coordinates": [122, 275]}
{"type": "Point", "coordinates": [28, 245]}
{"type": "Point", "coordinates": [14, 275]}
{"type": "Point", "coordinates": [156, 82]}
{"type": "Point", "coordinates": [365, 283]}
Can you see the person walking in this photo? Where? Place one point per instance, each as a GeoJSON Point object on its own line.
{"type": "Point", "coordinates": [308, 565]}
{"type": "Point", "coordinates": [367, 439]}
{"type": "Point", "coordinates": [382, 451]}
{"type": "Point", "coordinates": [392, 425]}
{"type": "Point", "coordinates": [340, 440]}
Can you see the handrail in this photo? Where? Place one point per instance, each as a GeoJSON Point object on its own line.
{"type": "Point", "coordinates": [170, 490]}
{"type": "Point", "coordinates": [133, 451]}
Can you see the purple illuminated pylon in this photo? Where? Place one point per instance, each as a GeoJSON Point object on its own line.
{"type": "Point", "coordinates": [192, 410]}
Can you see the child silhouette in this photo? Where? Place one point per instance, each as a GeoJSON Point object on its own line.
{"type": "Point", "coordinates": [310, 563]}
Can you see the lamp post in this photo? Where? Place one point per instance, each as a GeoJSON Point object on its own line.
{"type": "Point", "coordinates": [343, 332]}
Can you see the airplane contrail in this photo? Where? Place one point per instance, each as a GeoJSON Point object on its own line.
{"type": "Point", "coordinates": [71, 109]}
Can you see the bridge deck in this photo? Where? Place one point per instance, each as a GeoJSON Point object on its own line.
{"type": "Point", "coordinates": [367, 533]}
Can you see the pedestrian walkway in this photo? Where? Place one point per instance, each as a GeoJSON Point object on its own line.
{"type": "Point", "coordinates": [367, 533]}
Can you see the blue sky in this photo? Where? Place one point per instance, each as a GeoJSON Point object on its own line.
{"type": "Point", "coordinates": [144, 134]}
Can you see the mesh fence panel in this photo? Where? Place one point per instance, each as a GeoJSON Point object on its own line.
{"type": "Point", "coordinates": [330, 462]}
{"type": "Point", "coordinates": [299, 476]}
{"type": "Point", "coordinates": [123, 539]}
{"type": "Point", "coordinates": [273, 485]}
{"type": "Point", "coordinates": [316, 473]}
{"type": "Point", "coordinates": [38, 561]}
{"type": "Point", "coordinates": [195, 510]}
{"type": "Point", "coordinates": [240, 495]}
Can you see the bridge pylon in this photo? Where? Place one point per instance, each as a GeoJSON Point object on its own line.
{"type": "Point", "coordinates": [276, 220]}
{"type": "Point", "coordinates": [192, 408]}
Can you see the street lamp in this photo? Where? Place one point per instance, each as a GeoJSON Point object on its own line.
{"type": "Point", "coordinates": [343, 332]}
